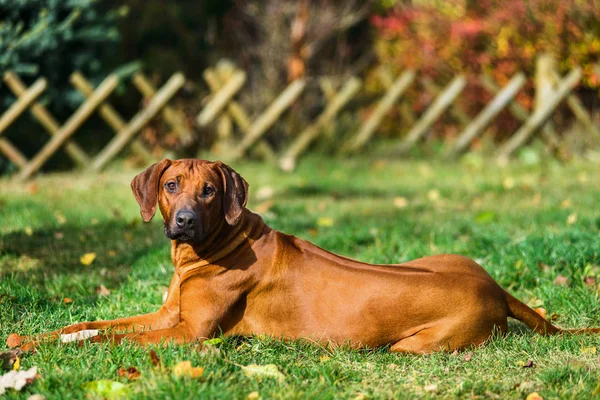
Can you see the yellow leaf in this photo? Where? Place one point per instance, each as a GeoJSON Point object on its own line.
{"type": "Point", "coordinates": [324, 358]}
{"type": "Point", "coordinates": [433, 195]}
{"type": "Point", "coordinates": [263, 371]}
{"type": "Point", "coordinates": [185, 368]}
{"type": "Point", "coordinates": [87, 258]}
{"type": "Point", "coordinates": [60, 218]}
{"type": "Point", "coordinates": [567, 203]}
{"type": "Point", "coordinates": [28, 231]}
{"type": "Point", "coordinates": [325, 221]}
{"type": "Point", "coordinates": [508, 183]}
{"type": "Point", "coordinates": [571, 219]}
{"type": "Point", "coordinates": [17, 364]}
{"type": "Point", "coordinates": [253, 396]}
{"type": "Point", "coordinates": [589, 350]}
{"type": "Point", "coordinates": [534, 396]}
{"type": "Point", "coordinates": [400, 202]}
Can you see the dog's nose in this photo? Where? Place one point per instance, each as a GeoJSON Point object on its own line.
{"type": "Point", "coordinates": [185, 219]}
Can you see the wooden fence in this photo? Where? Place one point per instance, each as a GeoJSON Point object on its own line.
{"type": "Point", "coordinates": [223, 112]}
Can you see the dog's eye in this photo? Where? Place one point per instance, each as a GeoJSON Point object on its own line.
{"type": "Point", "coordinates": [171, 186]}
{"type": "Point", "coordinates": [208, 190]}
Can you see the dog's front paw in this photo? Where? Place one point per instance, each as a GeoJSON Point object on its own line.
{"type": "Point", "coordinates": [14, 340]}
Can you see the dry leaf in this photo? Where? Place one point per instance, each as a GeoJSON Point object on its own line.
{"type": "Point", "coordinates": [184, 368]}
{"type": "Point", "coordinates": [571, 219]}
{"type": "Point", "coordinates": [534, 396]}
{"type": "Point", "coordinates": [10, 360]}
{"type": "Point", "coordinates": [130, 373]}
{"type": "Point", "coordinates": [28, 231]}
{"type": "Point", "coordinates": [431, 388]}
{"type": "Point", "coordinates": [567, 203]}
{"type": "Point", "coordinates": [102, 291]}
{"type": "Point", "coordinates": [87, 258]}
{"type": "Point", "coordinates": [468, 356]}
{"type": "Point", "coordinates": [154, 358]}
{"type": "Point", "coordinates": [528, 364]}
{"type": "Point", "coordinates": [67, 300]}
{"type": "Point", "coordinates": [541, 312]}
{"type": "Point", "coordinates": [508, 183]}
{"type": "Point", "coordinates": [400, 202]}
{"type": "Point", "coordinates": [561, 280]}
{"type": "Point", "coordinates": [60, 218]}
{"type": "Point", "coordinates": [324, 358]}
{"type": "Point", "coordinates": [17, 379]}
{"type": "Point", "coordinates": [253, 396]}
{"type": "Point", "coordinates": [589, 350]}
{"type": "Point", "coordinates": [589, 281]}
{"type": "Point", "coordinates": [263, 371]}
{"type": "Point", "coordinates": [325, 222]}
{"type": "Point", "coordinates": [59, 235]}
{"type": "Point", "coordinates": [32, 188]}
{"type": "Point", "coordinates": [433, 195]}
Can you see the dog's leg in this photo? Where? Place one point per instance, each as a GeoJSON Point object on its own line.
{"type": "Point", "coordinates": [179, 334]}
{"type": "Point", "coordinates": [166, 317]}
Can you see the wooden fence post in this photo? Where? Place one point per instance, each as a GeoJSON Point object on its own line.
{"type": "Point", "coordinates": [110, 115]}
{"type": "Point", "coordinates": [303, 140]}
{"type": "Point", "coordinates": [268, 117]}
{"type": "Point", "coordinates": [433, 112]}
{"type": "Point", "coordinates": [367, 129]}
{"type": "Point", "coordinates": [44, 117]}
{"type": "Point", "coordinates": [489, 112]}
{"type": "Point", "coordinates": [69, 128]}
{"type": "Point", "coordinates": [540, 115]}
{"type": "Point", "coordinates": [169, 114]}
{"type": "Point", "coordinates": [221, 98]}
{"type": "Point", "coordinates": [138, 121]}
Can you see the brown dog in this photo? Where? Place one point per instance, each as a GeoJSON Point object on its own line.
{"type": "Point", "coordinates": [236, 276]}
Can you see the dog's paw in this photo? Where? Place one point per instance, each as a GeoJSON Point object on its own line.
{"type": "Point", "coordinates": [14, 340]}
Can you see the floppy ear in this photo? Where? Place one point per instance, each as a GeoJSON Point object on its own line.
{"type": "Point", "coordinates": [145, 188]}
{"type": "Point", "coordinates": [235, 194]}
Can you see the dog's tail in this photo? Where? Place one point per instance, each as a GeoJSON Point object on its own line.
{"type": "Point", "coordinates": [521, 311]}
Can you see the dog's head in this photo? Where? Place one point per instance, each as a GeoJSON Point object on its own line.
{"type": "Point", "coordinates": [194, 196]}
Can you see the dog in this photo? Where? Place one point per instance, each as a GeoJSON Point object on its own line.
{"type": "Point", "coordinates": [234, 275]}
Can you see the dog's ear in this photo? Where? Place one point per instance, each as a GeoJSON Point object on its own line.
{"type": "Point", "coordinates": [145, 188]}
{"type": "Point", "coordinates": [235, 194]}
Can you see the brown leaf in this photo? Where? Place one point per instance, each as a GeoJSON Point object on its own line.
{"type": "Point", "coordinates": [102, 291]}
{"type": "Point", "coordinates": [561, 280]}
{"type": "Point", "coordinates": [541, 312]}
{"type": "Point", "coordinates": [184, 368]}
{"type": "Point", "coordinates": [534, 396]}
{"type": "Point", "coordinates": [529, 364]}
{"type": "Point", "coordinates": [154, 358]}
{"type": "Point", "coordinates": [9, 358]}
{"type": "Point", "coordinates": [14, 340]}
{"type": "Point", "coordinates": [67, 300]}
{"type": "Point", "coordinates": [589, 281]}
{"type": "Point", "coordinates": [468, 355]}
{"type": "Point", "coordinates": [130, 373]}
{"type": "Point", "coordinates": [32, 188]}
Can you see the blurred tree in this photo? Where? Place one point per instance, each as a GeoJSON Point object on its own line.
{"type": "Point", "coordinates": [54, 38]}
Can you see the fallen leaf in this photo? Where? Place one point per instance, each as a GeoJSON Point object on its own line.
{"type": "Point", "coordinates": [60, 218]}
{"type": "Point", "coordinates": [67, 300]}
{"type": "Point", "coordinates": [567, 203]}
{"type": "Point", "coordinates": [324, 358]}
{"type": "Point", "coordinates": [87, 258]}
{"type": "Point", "coordinates": [106, 389]}
{"type": "Point", "coordinates": [571, 219]}
{"type": "Point", "coordinates": [10, 358]}
{"type": "Point", "coordinates": [14, 340]}
{"type": "Point", "coordinates": [213, 341]}
{"type": "Point", "coordinates": [492, 395]}
{"type": "Point", "coordinates": [431, 388]}
{"type": "Point", "coordinates": [313, 232]}
{"type": "Point", "coordinates": [263, 371]}
{"type": "Point", "coordinates": [32, 188]}
{"type": "Point", "coordinates": [102, 291]}
{"type": "Point", "coordinates": [589, 281]}
{"type": "Point", "coordinates": [94, 221]}
{"type": "Point", "coordinates": [534, 396]}
{"type": "Point", "coordinates": [59, 235]}
{"type": "Point", "coordinates": [112, 253]}
{"type": "Point", "coordinates": [529, 364]}
{"type": "Point", "coordinates": [508, 183]}
{"type": "Point", "coordinates": [28, 231]}
{"type": "Point", "coordinates": [541, 311]}
{"type": "Point", "coordinates": [325, 221]}
{"type": "Point", "coordinates": [154, 358]}
{"type": "Point", "coordinates": [130, 373]}
{"type": "Point", "coordinates": [400, 202]}
{"type": "Point", "coordinates": [128, 236]}
{"type": "Point", "coordinates": [17, 379]}
{"type": "Point", "coordinates": [433, 195]}
{"type": "Point", "coordinates": [253, 396]}
{"type": "Point", "coordinates": [561, 280]}
{"type": "Point", "coordinates": [184, 368]}
{"type": "Point", "coordinates": [36, 397]}
{"type": "Point", "coordinates": [468, 356]}
{"type": "Point", "coordinates": [589, 350]}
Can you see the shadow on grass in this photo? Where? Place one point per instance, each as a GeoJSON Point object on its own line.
{"type": "Point", "coordinates": [49, 253]}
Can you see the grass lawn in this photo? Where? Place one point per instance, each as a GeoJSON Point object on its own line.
{"type": "Point", "coordinates": [536, 229]}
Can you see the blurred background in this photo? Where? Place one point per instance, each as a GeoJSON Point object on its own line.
{"type": "Point", "coordinates": [274, 79]}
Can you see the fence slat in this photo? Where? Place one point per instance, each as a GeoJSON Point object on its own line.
{"type": "Point", "coordinates": [303, 140]}
{"type": "Point", "coordinates": [489, 112]}
{"type": "Point", "coordinates": [385, 104]}
{"type": "Point", "coordinates": [110, 115]}
{"type": "Point", "coordinates": [540, 115]}
{"type": "Point", "coordinates": [12, 153]}
{"type": "Point", "coordinates": [23, 102]}
{"type": "Point", "coordinates": [269, 117]}
{"type": "Point", "coordinates": [433, 112]}
{"type": "Point", "coordinates": [169, 114]}
{"type": "Point", "coordinates": [69, 128]}
{"type": "Point", "coordinates": [514, 107]}
{"type": "Point", "coordinates": [139, 121]}
{"type": "Point", "coordinates": [220, 99]}
{"type": "Point", "coordinates": [455, 109]}
{"type": "Point", "coordinates": [45, 118]}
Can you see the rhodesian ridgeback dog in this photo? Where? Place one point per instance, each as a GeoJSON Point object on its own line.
{"type": "Point", "coordinates": [236, 276]}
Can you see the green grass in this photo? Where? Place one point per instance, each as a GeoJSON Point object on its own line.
{"type": "Point", "coordinates": [513, 220]}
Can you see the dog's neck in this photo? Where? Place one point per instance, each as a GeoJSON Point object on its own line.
{"type": "Point", "coordinates": [222, 242]}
